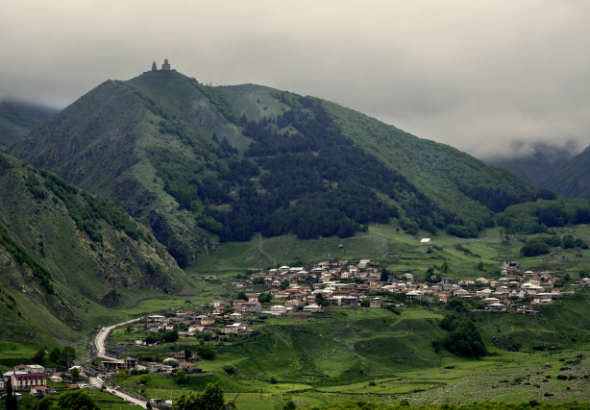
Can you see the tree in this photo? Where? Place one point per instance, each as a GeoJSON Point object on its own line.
{"type": "Point", "coordinates": [242, 295]}
{"type": "Point", "coordinates": [46, 403]}
{"type": "Point", "coordinates": [144, 379]}
{"type": "Point", "coordinates": [568, 242]}
{"type": "Point", "coordinates": [319, 299]}
{"type": "Point", "coordinates": [76, 400]}
{"type": "Point", "coordinates": [465, 340]}
{"type": "Point", "coordinates": [444, 267]}
{"type": "Point", "coordinates": [265, 298]}
{"type": "Point", "coordinates": [38, 358]}
{"type": "Point", "coordinates": [75, 373]}
{"type": "Point", "coordinates": [55, 354]}
{"type": "Point", "coordinates": [11, 403]}
{"type": "Point", "coordinates": [384, 275]}
{"type": "Point", "coordinates": [206, 351]}
{"type": "Point", "coordinates": [68, 354]}
{"type": "Point", "coordinates": [480, 265]}
{"type": "Point", "coordinates": [210, 399]}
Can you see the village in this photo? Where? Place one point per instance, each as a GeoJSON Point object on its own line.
{"type": "Point", "coordinates": [327, 285]}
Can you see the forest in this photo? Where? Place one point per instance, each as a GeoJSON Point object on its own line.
{"type": "Point", "coordinates": [538, 216]}
{"type": "Point", "coordinates": [300, 175]}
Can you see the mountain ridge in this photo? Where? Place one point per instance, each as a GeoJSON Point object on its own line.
{"type": "Point", "coordinates": [200, 164]}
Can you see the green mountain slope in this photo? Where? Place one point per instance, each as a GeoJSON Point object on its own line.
{"type": "Point", "coordinates": [573, 181]}
{"type": "Point", "coordinates": [205, 164]}
{"type": "Point", "coordinates": [66, 256]}
{"type": "Point", "coordinates": [18, 119]}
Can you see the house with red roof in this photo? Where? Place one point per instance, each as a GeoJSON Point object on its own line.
{"type": "Point", "coordinates": [25, 382]}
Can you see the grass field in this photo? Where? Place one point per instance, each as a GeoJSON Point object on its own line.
{"type": "Point", "coordinates": [389, 247]}
{"type": "Point", "coordinates": [378, 355]}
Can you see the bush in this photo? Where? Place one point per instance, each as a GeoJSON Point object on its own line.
{"type": "Point", "coordinates": [206, 351]}
{"type": "Point", "coordinates": [535, 249]}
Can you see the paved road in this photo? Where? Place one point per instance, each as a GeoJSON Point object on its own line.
{"type": "Point", "coordinates": [102, 336]}
{"type": "Point", "coordinates": [99, 342]}
{"type": "Point", "coordinates": [129, 399]}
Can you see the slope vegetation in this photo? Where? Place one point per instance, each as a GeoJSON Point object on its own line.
{"type": "Point", "coordinates": [18, 119]}
{"type": "Point", "coordinates": [540, 166]}
{"type": "Point", "coordinates": [66, 255]}
{"type": "Point", "coordinates": [574, 180]}
{"type": "Point", "coordinates": [203, 164]}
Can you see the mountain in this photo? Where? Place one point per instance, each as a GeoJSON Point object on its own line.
{"type": "Point", "coordinates": [17, 119]}
{"type": "Point", "coordinates": [554, 168]}
{"type": "Point", "coordinates": [539, 167]}
{"type": "Point", "coordinates": [67, 255]}
{"type": "Point", "coordinates": [573, 181]}
{"type": "Point", "coordinates": [200, 164]}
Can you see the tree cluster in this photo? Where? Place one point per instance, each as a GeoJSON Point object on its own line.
{"type": "Point", "coordinates": [210, 399]}
{"type": "Point", "coordinates": [538, 216]}
{"type": "Point", "coordinates": [463, 339]}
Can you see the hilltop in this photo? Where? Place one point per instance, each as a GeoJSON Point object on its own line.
{"type": "Point", "coordinates": [67, 255]}
{"type": "Point", "coordinates": [201, 165]}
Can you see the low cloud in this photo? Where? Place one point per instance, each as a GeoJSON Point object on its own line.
{"type": "Point", "coordinates": [490, 78]}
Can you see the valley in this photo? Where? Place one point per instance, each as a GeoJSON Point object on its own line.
{"type": "Point", "coordinates": [291, 250]}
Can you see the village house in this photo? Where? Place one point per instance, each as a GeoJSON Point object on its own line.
{"type": "Point", "coordinates": [24, 382]}
{"type": "Point", "coordinates": [375, 303]}
{"type": "Point", "coordinates": [39, 391]}
{"type": "Point", "coordinates": [207, 321]}
{"type": "Point", "coordinates": [253, 307]}
{"type": "Point", "coordinates": [364, 263]}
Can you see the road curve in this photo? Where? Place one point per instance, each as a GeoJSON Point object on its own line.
{"type": "Point", "coordinates": [101, 337]}
{"type": "Point", "coordinates": [102, 353]}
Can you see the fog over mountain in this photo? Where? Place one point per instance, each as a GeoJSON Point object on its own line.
{"type": "Point", "coordinates": [489, 78]}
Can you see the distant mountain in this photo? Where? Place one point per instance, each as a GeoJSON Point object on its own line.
{"type": "Point", "coordinates": [65, 255]}
{"type": "Point", "coordinates": [543, 164]}
{"type": "Point", "coordinates": [203, 164]}
{"type": "Point", "coordinates": [573, 181]}
{"type": "Point", "coordinates": [554, 168]}
{"type": "Point", "coordinates": [17, 119]}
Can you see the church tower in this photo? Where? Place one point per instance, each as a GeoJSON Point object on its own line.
{"type": "Point", "coordinates": [166, 66]}
{"type": "Point", "coordinates": [154, 66]}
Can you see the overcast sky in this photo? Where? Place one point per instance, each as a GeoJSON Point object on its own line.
{"type": "Point", "coordinates": [482, 76]}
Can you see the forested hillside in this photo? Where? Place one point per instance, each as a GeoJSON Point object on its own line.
{"type": "Point", "coordinates": [538, 167]}
{"type": "Point", "coordinates": [574, 180]}
{"type": "Point", "coordinates": [201, 164]}
{"type": "Point", "coordinates": [18, 119]}
{"type": "Point", "coordinates": [65, 255]}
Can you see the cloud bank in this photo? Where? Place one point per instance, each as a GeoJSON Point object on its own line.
{"type": "Point", "coordinates": [490, 78]}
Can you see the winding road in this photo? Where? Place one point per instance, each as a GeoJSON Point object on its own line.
{"type": "Point", "coordinates": [99, 341]}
